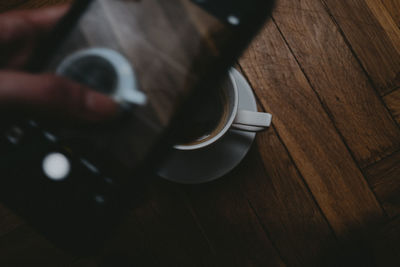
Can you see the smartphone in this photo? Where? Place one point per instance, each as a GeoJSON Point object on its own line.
{"type": "Point", "coordinates": [159, 60]}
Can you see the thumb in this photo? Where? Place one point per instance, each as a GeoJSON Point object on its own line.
{"type": "Point", "coordinates": [53, 96]}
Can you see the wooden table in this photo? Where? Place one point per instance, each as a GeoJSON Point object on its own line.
{"type": "Point", "coordinates": [321, 187]}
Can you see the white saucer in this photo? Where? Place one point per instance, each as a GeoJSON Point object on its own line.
{"type": "Point", "coordinates": [212, 162]}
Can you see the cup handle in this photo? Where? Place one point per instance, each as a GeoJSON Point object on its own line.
{"type": "Point", "coordinates": [251, 121]}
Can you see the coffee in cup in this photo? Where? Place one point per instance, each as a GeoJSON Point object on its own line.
{"type": "Point", "coordinates": [209, 119]}
{"type": "Point", "coordinates": [219, 114]}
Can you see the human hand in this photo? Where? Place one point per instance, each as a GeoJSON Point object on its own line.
{"type": "Point", "coordinates": [43, 94]}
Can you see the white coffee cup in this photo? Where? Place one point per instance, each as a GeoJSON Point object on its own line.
{"type": "Point", "coordinates": [237, 119]}
{"type": "Point", "coordinates": [126, 89]}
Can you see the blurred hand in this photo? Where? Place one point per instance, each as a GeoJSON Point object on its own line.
{"type": "Point", "coordinates": [44, 94]}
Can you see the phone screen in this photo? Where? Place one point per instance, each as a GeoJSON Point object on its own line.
{"type": "Point", "coordinates": [158, 59]}
{"type": "Point", "coordinates": [150, 56]}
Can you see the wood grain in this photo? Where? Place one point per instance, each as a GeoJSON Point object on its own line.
{"type": "Point", "coordinates": [231, 225]}
{"type": "Point", "coordinates": [284, 204]}
{"type": "Point", "coordinates": [334, 74]}
{"type": "Point", "coordinates": [373, 36]}
{"type": "Point", "coordinates": [384, 178]}
{"type": "Point", "coordinates": [392, 101]}
{"type": "Point", "coordinates": [308, 133]}
{"type": "Point", "coordinates": [386, 21]}
{"type": "Point", "coordinates": [393, 7]}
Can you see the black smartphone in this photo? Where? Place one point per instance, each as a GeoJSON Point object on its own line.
{"type": "Point", "coordinates": [159, 60]}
